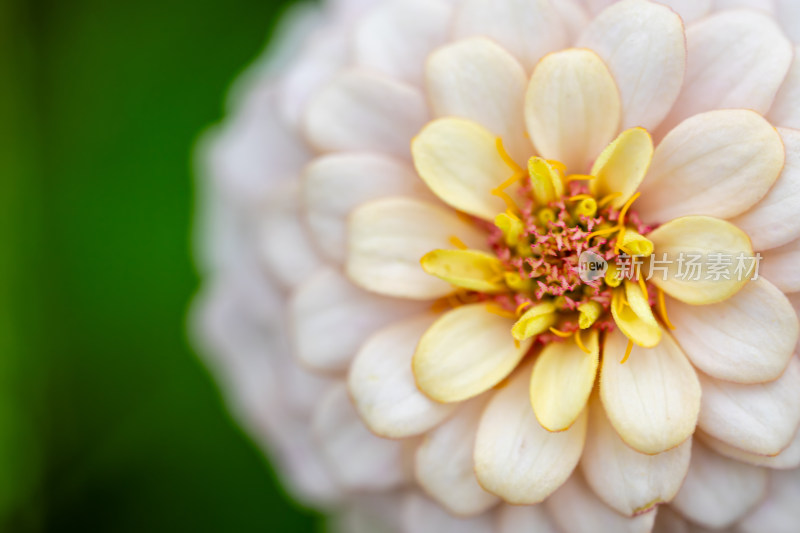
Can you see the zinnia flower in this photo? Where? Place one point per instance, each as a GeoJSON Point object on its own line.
{"type": "Point", "coordinates": [517, 265]}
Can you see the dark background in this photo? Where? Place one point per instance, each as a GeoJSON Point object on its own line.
{"type": "Point", "coordinates": [108, 421]}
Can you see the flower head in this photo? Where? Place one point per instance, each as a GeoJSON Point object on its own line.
{"type": "Point", "coordinates": [485, 245]}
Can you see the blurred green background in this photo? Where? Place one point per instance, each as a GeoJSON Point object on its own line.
{"type": "Point", "coordinates": [108, 421]}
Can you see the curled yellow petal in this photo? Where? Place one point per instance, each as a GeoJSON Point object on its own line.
{"type": "Point", "coordinates": [589, 313]}
{"type": "Point", "coordinates": [621, 167]}
{"type": "Point", "coordinates": [536, 320]}
{"type": "Point", "coordinates": [511, 226]}
{"type": "Point", "coordinates": [468, 269]}
{"type": "Point", "coordinates": [633, 316]}
{"type": "Point", "coordinates": [545, 180]}
{"type": "Point", "coordinates": [635, 243]}
{"type": "Point", "coordinates": [517, 283]}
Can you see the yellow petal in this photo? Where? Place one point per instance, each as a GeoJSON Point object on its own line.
{"type": "Point", "coordinates": [589, 313]}
{"type": "Point", "coordinates": [633, 316]}
{"type": "Point", "coordinates": [692, 235]}
{"type": "Point", "coordinates": [535, 320]}
{"type": "Point", "coordinates": [572, 108]}
{"type": "Point", "coordinates": [621, 167]}
{"type": "Point", "coordinates": [546, 181]}
{"type": "Point", "coordinates": [635, 243]}
{"type": "Point", "coordinates": [562, 380]}
{"type": "Point", "coordinates": [464, 353]}
{"type": "Point", "coordinates": [458, 159]}
{"type": "Point", "coordinates": [511, 226]}
{"type": "Point", "coordinates": [469, 269]}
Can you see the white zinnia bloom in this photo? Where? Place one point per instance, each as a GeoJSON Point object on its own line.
{"type": "Point", "coordinates": [390, 234]}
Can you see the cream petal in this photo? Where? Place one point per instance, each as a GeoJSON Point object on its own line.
{"type": "Point", "coordinates": [574, 17]}
{"type": "Point", "coordinates": [712, 241]}
{"type": "Point", "coordinates": [478, 80]}
{"type": "Point", "coordinates": [622, 166]}
{"type": "Point", "coordinates": [421, 515]}
{"type": "Point", "coordinates": [645, 49]}
{"type": "Point", "coordinates": [515, 457]}
{"type": "Point", "coordinates": [772, 221]}
{"type": "Point", "coordinates": [363, 111]}
{"type": "Point", "coordinates": [628, 481]}
{"type": "Point", "coordinates": [283, 243]}
{"type": "Point", "coordinates": [779, 513]}
{"type": "Point", "coordinates": [789, 458]}
{"type": "Point", "coordinates": [736, 59]}
{"type": "Point", "coordinates": [516, 518]}
{"type": "Point", "coordinates": [576, 509]}
{"type": "Point", "coordinates": [388, 237]}
{"type": "Point", "coordinates": [718, 163]}
{"type": "Point", "coordinates": [330, 318]}
{"type": "Point", "coordinates": [562, 380]}
{"type": "Point", "coordinates": [653, 399]}
{"type": "Point", "coordinates": [760, 419]}
{"type": "Point", "coordinates": [779, 265]}
{"type": "Point", "coordinates": [529, 29]}
{"type": "Point", "coordinates": [459, 160]}
{"type": "Point", "coordinates": [382, 385]}
{"type": "Point", "coordinates": [444, 466]}
{"type": "Point", "coordinates": [572, 108]}
{"type": "Point", "coordinates": [784, 111]}
{"type": "Point", "coordinates": [395, 37]}
{"type": "Point", "coordinates": [748, 338]}
{"type": "Point", "coordinates": [358, 459]}
{"type": "Point", "coordinates": [467, 351]}
{"type": "Point", "coordinates": [718, 491]}
{"type": "Point", "coordinates": [336, 184]}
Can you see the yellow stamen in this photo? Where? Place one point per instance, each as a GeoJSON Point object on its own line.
{"type": "Point", "coordinates": [587, 207]}
{"type": "Point", "coordinates": [546, 215]}
{"type": "Point", "coordinates": [627, 352]}
{"type": "Point", "coordinates": [558, 165]}
{"type": "Point", "coordinates": [521, 307]}
{"type": "Point", "coordinates": [579, 342]}
{"type": "Point", "coordinates": [562, 334]}
{"type": "Point", "coordinates": [604, 231]}
{"type": "Point", "coordinates": [579, 177]}
{"type": "Point", "coordinates": [624, 210]}
{"type": "Point", "coordinates": [458, 243]}
{"type": "Point", "coordinates": [440, 304]}
{"type": "Point", "coordinates": [620, 237]}
{"type": "Point", "coordinates": [608, 198]}
{"type": "Point", "coordinates": [510, 203]}
{"type": "Point", "coordinates": [580, 197]}
{"type": "Point", "coordinates": [499, 311]}
{"type": "Point", "coordinates": [507, 158]}
{"type": "Point", "coordinates": [662, 309]}
{"type": "Point", "coordinates": [642, 284]}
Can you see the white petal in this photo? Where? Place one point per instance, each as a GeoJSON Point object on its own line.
{"type": "Point", "coordinates": [772, 221]}
{"type": "Point", "coordinates": [784, 111]}
{"type": "Point", "coordinates": [382, 385]}
{"type": "Point", "coordinates": [718, 163]}
{"type": "Point", "coordinates": [689, 10]}
{"type": "Point", "coordinates": [363, 111]}
{"type": "Point", "coordinates": [574, 16]}
{"type": "Point", "coordinates": [444, 466]}
{"type": "Point", "coordinates": [788, 459]}
{"type": "Point", "coordinates": [576, 509]}
{"type": "Point", "coordinates": [527, 518]}
{"type": "Point", "coordinates": [779, 265]}
{"type": "Point", "coordinates": [397, 36]}
{"type": "Point", "coordinates": [767, 6]}
{"type": "Point", "coordinates": [509, 433]}
{"type": "Point", "coordinates": [736, 59]}
{"type": "Point", "coordinates": [358, 459]}
{"type": "Point", "coordinates": [572, 108]}
{"type": "Point", "coordinates": [748, 338]}
{"type": "Point", "coordinates": [283, 243]}
{"type": "Point", "coordinates": [628, 481]}
{"type": "Point", "coordinates": [336, 184]}
{"type": "Point", "coordinates": [779, 513]}
{"type": "Point", "coordinates": [330, 318]}
{"type": "Point", "coordinates": [421, 515]}
{"type": "Point", "coordinates": [645, 49]}
{"type": "Point", "coordinates": [718, 491]}
{"type": "Point", "coordinates": [388, 237]}
{"type": "Point", "coordinates": [466, 352]}
{"type": "Point", "coordinates": [760, 419]}
{"type": "Point", "coordinates": [529, 29]}
{"type": "Point", "coordinates": [652, 400]}
{"type": "Point", "coordinates": [478, 80]}
{"type": "Point", "coordinates": [788, 14]}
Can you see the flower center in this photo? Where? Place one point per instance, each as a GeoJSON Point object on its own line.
{"type": "Point", "coordinates": [562, 260]}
